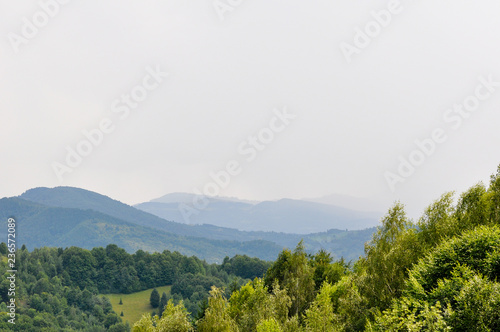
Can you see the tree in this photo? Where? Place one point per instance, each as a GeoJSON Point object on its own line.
{"type": "Point", "coordinates": [473, 249]}
{"type": "Point", "coordinates": [253, 304]}
{"type": "Point", "coordinates": [350, 308]}
{"type": "Point", "coordinates": [163, 303]}
{"type": "Point", "coordinates": [3, 248]}
{"type": "Point", "coordinates": [494, 195]}
{"type": "Point", "coordinates": [269, 325]}
{"type": "Point", "coordinates": [278, 269]}
{"type": "Point", "coordinates": [293, 272]}
{"type": "Point", "coordinates": [174, 318]}
{"type": "Point", "coordinates": [472, 208]}
{"type": "Point", "coordinates": [321, 262]}
{"type": "Point", "coordinates": [121, 302]}
{"type": "Point", "coordinates": [217, 317]}
{"type": "Point", "coordinates": [80, 265]}
{"type": "Point", "coordinates": [410, 314]}
{"type": "Point", "coordinates": [154, 298]}
{"type": "Point", "coordinates": [455, 287]}
{"type": "Point", "coordinates": [438, 222]}
{"type": "Point", "coordinates": [299, 281]}
{"type": "Point", "coordinates": [320, 316]}
{"type": "Point", "coordinates": [389, 255]}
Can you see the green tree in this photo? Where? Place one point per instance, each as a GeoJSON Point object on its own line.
{"type": "Point", "coordinates": [293, 272]}
{"type": "Point", "coordinates": [3, 248]}
{"type": "Point", "coordinates": [277, 271]}
{"type": "Point", "coordinates": [438, 222]}
{"type": "Point", "coordinates": [494, 197]}
{"type": "Point", "coordinates": [454, 287]}
{"type": "Point", "coordinates": [410, 314]}
{"type": "Point", "coordinates": [320, 316]}
{"type": "Point", "coordinates": [217, 318]}
{"type": "Point", "coordinates": [392, 251]}
{"type": "Point", "coordinates": [350, 308]}
{"type": "Point", "coordinates": [175, 318]}
{"type": "Point", "coordinates": [154, 298]}
{"type": "Point", "coordinates": [80, 266]}
{"type": "Point", "coordinates": [321, 263]}
{"type": "Point", "coordinates": [472, 208]}
{"type": "Point", "coordinates": [253, 304]}
{"type": "Point", "coordinates": [163, 303]}
{"type": "Point", "coordinates": [269, 325]}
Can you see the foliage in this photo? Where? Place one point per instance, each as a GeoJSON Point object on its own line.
{"type": "Point", "coordinates": [163, 302]}
{"type": "Point", "coordinates": [320, 316]}
{"type": "Point", "coordinates": [388, 257]}
{"type": "Point", "coordinates": [245, 267]}
{"type": "Point", "coordinates": [447, 289]}
{"type": "Point", "coordinates": [217, 318]}
{"type": "Point", "coordinates": [58, 288]}
{"type": "Point", "coordinates": [154, 298]}
{"type": "Point", "coordinates": [174, 319]}
{"type": "Point", "coordinates": [269, 325]}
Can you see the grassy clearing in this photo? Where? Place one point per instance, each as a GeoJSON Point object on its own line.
{"type": "Point", "coordinates": [135, 304]}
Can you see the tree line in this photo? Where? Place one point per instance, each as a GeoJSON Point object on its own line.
{"type": "Point", "coordinates": [59, 289]}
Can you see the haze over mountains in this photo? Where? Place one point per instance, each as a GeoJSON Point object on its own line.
{"type": "Point", "coordinates": [66, 216]}
{"type": "Point", "coordinates": [351, 202]}
{"type": "Point", "coordinates": [292, 216]}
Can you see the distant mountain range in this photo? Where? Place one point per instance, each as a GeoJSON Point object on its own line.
{"type": "Point", "coordinates": [294, 216]}
{"type": "Point", "coordinates": [351, 202]}
{"type": "Point", "coordinates": [66, 216]}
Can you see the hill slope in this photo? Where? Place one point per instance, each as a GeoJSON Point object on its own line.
{"type": "Point", "coordinates": [350, 244]}
{"type": "Point", "coordinates": [39, 225]}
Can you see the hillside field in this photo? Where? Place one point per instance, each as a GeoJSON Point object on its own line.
{"type": "Point", "coordinates": [134, 304]}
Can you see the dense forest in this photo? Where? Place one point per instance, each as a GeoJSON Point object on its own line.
{"type": "Point", "coordinates": [439, 273]}
{"type": "Point", "coordinates": [58, 289]}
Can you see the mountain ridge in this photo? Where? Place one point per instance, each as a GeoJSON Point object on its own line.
{"type": "Point", "coordinates": [39, 225]}
{"type": "Point", "coordinates": [341, 243]}
{"type": "Point", "coordinates": [296, 216]}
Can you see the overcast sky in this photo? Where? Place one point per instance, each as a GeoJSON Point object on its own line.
{"type": "Point", "coordinates": [358, 102]}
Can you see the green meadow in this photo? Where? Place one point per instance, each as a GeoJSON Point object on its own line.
{"type": "Point", "coordinates": [135, 304]}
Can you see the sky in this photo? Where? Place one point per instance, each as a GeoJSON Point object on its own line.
{"type": "Point", "coordinates": [383, 100]}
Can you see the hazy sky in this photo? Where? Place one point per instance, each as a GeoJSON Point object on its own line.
{"type": "Point", "coordinates": [358, 101]}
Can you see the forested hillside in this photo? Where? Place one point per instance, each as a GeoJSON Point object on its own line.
{"type": "Point", "coordinates": [40, 225]}
{"type": "Point", "coordinates": [59, 289]}
{"type": "Point", "coordinates": [440, 273]}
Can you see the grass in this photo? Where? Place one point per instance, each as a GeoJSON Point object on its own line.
{"type": "Point", "coordinates": [135, 304]}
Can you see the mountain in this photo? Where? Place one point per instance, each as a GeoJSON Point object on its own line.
{"type": "Point", "coordinates": [351, 202]}
{"type": "Point", "coordinates": [189, 239]}
{"type": "Point", "coordinates": [294, 216]}
{"type": "Point", "coordinates": [40, 225]}
{"type": "Point", "coordinates": [69, 197]}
